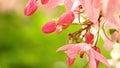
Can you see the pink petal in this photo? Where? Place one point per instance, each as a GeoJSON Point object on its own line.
{"type": "Point", "coordinates": [100, 57]}
{"type": "Point", "coordinates": [92, 63]}
{"type": "Point", "coordinates": [30, 8]}
{"type": "Point", "coordinates": [70, 61]}
{"type": "Point", "coordinates": [84, 46]}
{"type": "Point", "coordinates": [68, 4]}
{"type": "Point", "coordinates": [49, 27]}
{"type": "Point", "coordinates": [97, 50]}
{"type": "Point", "coordinates": [73, 51]}
{"type": "Point", "coordinates": [66, 47]}
{"type": "Point", "coordinates": [54, 3]}
{"type": "Point", "coordinates": [111, 8]}
{"type": "Point", "coordinates": [114, 21]}
{"type": "Point", "coordinates": [97, 3]}
{"type": "Point", "coordinates": [75, 6]}
{"type": "Point", "coordinates": [44, 1]}
{"type": "Point", "coordinates": [92, 12]}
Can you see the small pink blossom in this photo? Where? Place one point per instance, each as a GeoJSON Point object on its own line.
{"type": "Point", "coordinates": [30, 8]}
{"type": "Point", "coordinates": [49, 27]}
{"type": "Point", "coordinates": [73, 49]}
{"type": "Point", "coordinates": [44, 1]}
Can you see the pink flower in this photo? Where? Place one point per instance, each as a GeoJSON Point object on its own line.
{"type": "Point", "coordinates": [30, 8]}
{"type": "Point", "coordinates": [49, 27]}
{"type": "Point", "coordinates": [64, 21]}
{"type": "Point", "coordinates": [44, 1]}
{"type": "Point", "coordinates": [73, 49]}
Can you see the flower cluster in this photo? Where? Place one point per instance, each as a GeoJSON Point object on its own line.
{"type": "Point", "coordinates": [100, 17]}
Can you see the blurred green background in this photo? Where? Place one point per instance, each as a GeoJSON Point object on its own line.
{"type": "Point", "coordinates": [23, 45]}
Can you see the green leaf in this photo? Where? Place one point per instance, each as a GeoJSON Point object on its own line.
{"type": "Point", "coordinates": [111, 31]}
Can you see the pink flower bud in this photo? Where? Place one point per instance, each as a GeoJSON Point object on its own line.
{"type": "Point", "coordinates": [89, 38]}
{"type": "Point", "coordinates": [44, 1]}
{"type": "Point", "coordinates": [30, 8]}
{"type": "Point", "coordinates": [66, 19]}
{"type": "Point", "coordinates": [49, 27]}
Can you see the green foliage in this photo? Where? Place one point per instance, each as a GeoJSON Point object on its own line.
{"type": "Point", "coordinates": [111, 31]}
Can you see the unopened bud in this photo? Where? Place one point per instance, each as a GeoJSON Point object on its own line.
{"type": "Point", "coordinates": [66, 19]}
{"type": "Point", "coordinates": [44, 2]}
{"type": "Point", "coordinates": [49, 27]}
{"type": "Point", "coordinates": [89, 38]}
{"type": "Point", "coordinates": [30, 8]}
